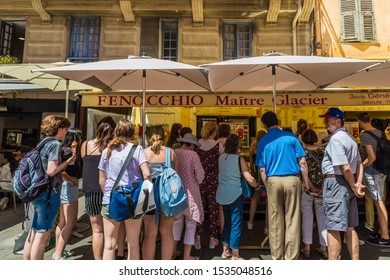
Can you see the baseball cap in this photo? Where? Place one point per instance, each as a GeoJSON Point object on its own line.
{"type": "Point", "coordinates": [333, 113]}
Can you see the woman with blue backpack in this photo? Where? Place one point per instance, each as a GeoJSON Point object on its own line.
{"type": "Point", "coordinates": [156, 156]}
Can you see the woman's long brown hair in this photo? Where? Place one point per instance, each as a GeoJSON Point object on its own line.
{"type": "Point", "coordinates": [123, 134]}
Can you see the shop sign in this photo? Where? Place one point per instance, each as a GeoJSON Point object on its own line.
{"type": "Point", "coordinates": [324, 98]}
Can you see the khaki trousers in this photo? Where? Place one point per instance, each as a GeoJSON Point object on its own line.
{"type": "Point", "coordinates": [284, 216]}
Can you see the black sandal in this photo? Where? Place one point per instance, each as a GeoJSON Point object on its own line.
{"type": "Point", "coordinates": [323, 254]}
{"type": "Point", "coordinates": [306, 253]}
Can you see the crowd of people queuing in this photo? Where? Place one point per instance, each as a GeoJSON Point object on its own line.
{"type": "Point", "coordinates": [306, 182]}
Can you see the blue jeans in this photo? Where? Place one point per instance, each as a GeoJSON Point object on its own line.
{"type": "Point", "coordinates": [45, 214]}
{"type": "Point", "coordinates": [232, 214]}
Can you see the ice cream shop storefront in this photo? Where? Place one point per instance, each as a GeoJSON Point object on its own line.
{"type": "Point", "coordinates": [241, 111]}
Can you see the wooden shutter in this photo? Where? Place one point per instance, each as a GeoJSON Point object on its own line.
{"type": "Point", "coordinates": [150, 36]}
{"type": "Point", "coordinates": [368, 22]}
{"type": "Point", "coordinates": [349, 20]}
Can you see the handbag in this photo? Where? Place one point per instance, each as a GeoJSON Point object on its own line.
{"type": "Point", "coordinates": [130, 201]}
{"type": "Point", "coordinates": [246, 188]}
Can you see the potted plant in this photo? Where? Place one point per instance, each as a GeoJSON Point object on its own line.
{"type": "Point", "coordinates": [8, 59]}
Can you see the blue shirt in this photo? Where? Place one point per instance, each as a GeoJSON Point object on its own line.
{"type": "Point", "coordinates": [229, 179]}
{"type": "Point", "coordinates": [278, 152]}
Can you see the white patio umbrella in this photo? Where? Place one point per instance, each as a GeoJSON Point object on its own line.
{"type": "Point", "coordinates": [373, 77]}
{"type": "Point", "coordinates": [277, 71]}
{"type": "Point", "coordinates": [137, 74]}
{"type": "Point", "coordinates": [24, 72]}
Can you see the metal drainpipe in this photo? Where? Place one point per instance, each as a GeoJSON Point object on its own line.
{"type": "Point", "coordinates": [294, 27]}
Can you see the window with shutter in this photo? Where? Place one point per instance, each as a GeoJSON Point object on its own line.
{"type": "Point", "coordinates": [368, 22]}
{"type": "Point", "coordinates": [85, 37]}
{"type": "Point", "coordinates": [357, 21]}
{"type": "Point", "coordinates": [237, 40]}
{"type": "Point", "coordinates": [151, 29]}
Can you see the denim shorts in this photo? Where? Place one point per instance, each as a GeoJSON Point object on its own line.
{"type": "Point", "coordinates": [45, 213]}
{"type": "Point", "coordinates": [340, 205]}
{"type": "Point", "coordinates": [375, 185]}
{"type": "Point", "coordinates": [69, 193]}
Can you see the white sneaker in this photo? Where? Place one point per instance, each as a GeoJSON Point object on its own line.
{"type": "Point", "coordinates": [249, 225]}
{"type": "Point", "coordinates": [361, 242]}
{"type": "Point", "coordinates": [213, 243]}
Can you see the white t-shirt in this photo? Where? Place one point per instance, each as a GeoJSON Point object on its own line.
{"type": "Point", "coordinates": [341, 149]}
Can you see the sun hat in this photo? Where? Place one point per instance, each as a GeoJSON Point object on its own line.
{"type": "Point", "coordinates": [189, 138]}
{"type": "Point", "coordinates": [333, 113]}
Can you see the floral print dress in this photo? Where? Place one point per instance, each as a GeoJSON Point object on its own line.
{"type": "Point", "coordinates": [191, 172]}
{"type": "Point", "coordinates": [208, 188]}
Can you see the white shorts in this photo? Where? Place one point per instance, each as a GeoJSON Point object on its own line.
{"type": "Point", "coordinates": [375, 185]}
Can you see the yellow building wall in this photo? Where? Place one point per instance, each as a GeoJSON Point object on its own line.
{"type": "Point", "coordinates": [329, 32]}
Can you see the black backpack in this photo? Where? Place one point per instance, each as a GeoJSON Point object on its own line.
{"type": "Point", "coordinates": [382, 153]}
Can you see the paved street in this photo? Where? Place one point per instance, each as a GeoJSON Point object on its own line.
{"type": "Point", "coordinates": [10, 227]}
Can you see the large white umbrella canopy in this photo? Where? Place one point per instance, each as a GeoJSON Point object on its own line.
{"type": "Point", "coordinates": [137, 74]}
{"type": "Point", "coordinates": [372, 77]}
{"type": "Point", "coordinates": [277, 71]}
{"type": "Point", "coordinates": [55, 83]}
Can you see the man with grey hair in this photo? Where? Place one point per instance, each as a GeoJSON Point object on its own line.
{"type": "Point", "coordinates": [343, 172]}
{"type": "Point", "coordinates": [374, 180]}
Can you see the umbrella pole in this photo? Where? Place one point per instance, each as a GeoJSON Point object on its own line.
{"type": "Point", "coordinates": [67, 99]}
{"type": "Point", "coordinates": [274, 86]}
{"type": "Point", "coordinates": [143, 107]}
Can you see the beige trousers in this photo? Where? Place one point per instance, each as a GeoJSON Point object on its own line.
{"type": "Point", "coordinates": [284, 216]}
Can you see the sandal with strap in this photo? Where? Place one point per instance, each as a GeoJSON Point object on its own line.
{"type": "Point", "coordinates": [323, 253]}
{"type": "Point", "coordinates": [306, 253]}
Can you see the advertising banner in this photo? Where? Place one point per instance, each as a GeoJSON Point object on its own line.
{"type": "Point", "coordinates": [236, 100]}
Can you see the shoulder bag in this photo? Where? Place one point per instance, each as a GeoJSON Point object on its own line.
{"type": "Point", "coordinates": [246, 189]}
{"type": "Point", "coordinates": [130, 201]}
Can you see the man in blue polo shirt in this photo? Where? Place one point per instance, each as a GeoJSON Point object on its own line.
{"type": "Point", "coordinates": [281, 161]}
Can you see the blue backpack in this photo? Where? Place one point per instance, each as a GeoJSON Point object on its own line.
{"type": "Point", "coordinates": [171, 195]}
{"type": "Point", "coordinates": [30, 178]}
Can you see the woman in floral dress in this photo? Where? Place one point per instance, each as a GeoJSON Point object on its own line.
{"type": "Point", "coordinates": [192, 174]}
{"type": "Point", "coordinates": [209, 153]}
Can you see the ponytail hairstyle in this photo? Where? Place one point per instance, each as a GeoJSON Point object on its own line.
{"type": "Point", "coordinates": [157, 138]}
{"type": "Point", "coordinates": [208, 129]}
{"type": "Point", "coordinates": [123, 134]}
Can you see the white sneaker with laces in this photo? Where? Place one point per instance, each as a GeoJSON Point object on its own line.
{"type": "Point", "coordinates": [249, 225]}
{"type": "Point", "coordinates": [361, 242]}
